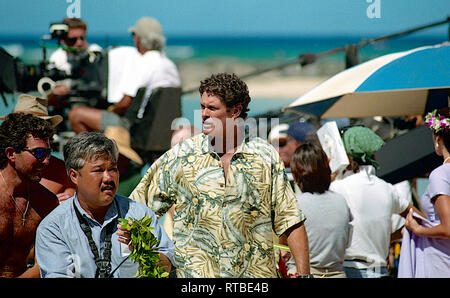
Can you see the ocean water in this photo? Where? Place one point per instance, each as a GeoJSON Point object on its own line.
{"type": "Point", "coordinates": [246, 49]}
{"type": "Point", "coordinates": [209, 50]}
{"type": "Point", "coordinates": [190, 107]}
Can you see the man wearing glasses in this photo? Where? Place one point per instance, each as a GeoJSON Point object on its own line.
{"type": "Point", "coordinates": [72, 45]}
{"type": "Point", "coordinates": [286, 138]}
{"type": "Point", "coordinates": [54, 176]}
{"type": "Point", "coordinates": [129, 69]}
{"type": "Point", "coordinates": [24, 153]}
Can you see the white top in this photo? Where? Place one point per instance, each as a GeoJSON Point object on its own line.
{"type": "Point", "coordinates": [372, 201]}
{"type": "Point", "coordinates": [58, 58]}
{"type": "Point", "coordinates": [328, 227]}
{"type": "Point", "coordinates": [129, 71]}
{"type": "Point", "coordinates": [404, 190]}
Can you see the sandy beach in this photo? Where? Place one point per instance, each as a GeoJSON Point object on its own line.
{"type": "Point", "coordinates": [290, 82]}
{"type": "Point", "coordinates": [284, 87]}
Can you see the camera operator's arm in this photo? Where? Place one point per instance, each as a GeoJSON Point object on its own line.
{"type": "Point", "coordinates": [122, 106]}
{"type": "Point", "coordinates": [61, 90]}
{"type": "Point", "coordinates": [57, 92]}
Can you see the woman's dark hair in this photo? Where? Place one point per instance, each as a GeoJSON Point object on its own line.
{"type": "Point", "coordinates": [230, 88]}
{"type": "Point", "coordinates": [445, 134]}
{"type": "Point", "coordinates": [309, 166]}
{"type": "Point", "coordinates": [353, 164]}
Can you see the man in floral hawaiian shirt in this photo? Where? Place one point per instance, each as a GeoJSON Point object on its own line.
{"type": "Point", "coordinates": [230, 193]}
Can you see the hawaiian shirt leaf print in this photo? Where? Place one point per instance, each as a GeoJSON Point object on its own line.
{"type": "Point", "coordinates": [222, 228]}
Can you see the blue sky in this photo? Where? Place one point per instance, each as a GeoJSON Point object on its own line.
{"type": "Point", "coordinates": [230, 17]}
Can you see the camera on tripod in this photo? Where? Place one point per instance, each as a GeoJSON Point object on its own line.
{"type": "Point", "coordinates": [87, 77]}
{"type": "Point", "coordinates": [59, 31]}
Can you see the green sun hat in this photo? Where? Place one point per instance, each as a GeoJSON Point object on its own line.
{"type": "Point", "coordinates": [361, 143]}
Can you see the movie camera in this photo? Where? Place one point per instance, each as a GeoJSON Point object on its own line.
{"type": "Point", "coordinates": [87, 78]}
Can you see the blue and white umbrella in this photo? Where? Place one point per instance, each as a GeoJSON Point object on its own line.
{"type": "Point", "coordinates": [398, 84]}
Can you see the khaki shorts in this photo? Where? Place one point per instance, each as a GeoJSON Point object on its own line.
{"type": "Point", "coordinates": [321, 272]}
{"type": "Point", "coordinates": [112, 119]}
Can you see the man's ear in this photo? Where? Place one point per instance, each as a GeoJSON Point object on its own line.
{"type": "Point", "coordinates": [237, 110]}
{"type": "Point", "coordinates": [73, 175]}
{"type": "Point", "coordinates": [9, 153]}
{"type": "Point", "coordinates": [438, 141]}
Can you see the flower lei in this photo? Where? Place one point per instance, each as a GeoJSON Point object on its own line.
{"type": "Point", "coordinates": [437, 122]}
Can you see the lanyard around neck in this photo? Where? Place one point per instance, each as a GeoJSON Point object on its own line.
{"type": "Point", "coordinates": [103, 264]}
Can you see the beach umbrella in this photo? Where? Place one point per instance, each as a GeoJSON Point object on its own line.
{"type": "Point", "coordinates": [398, 162]}
{"type": "Point", "coordinates": [398, 84]}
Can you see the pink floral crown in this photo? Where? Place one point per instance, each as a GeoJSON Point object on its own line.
{"type": "Point", "coordinates": [437, 122]}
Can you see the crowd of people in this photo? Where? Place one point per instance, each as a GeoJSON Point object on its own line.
{"type": "Point", "coordinates": [229, 200]}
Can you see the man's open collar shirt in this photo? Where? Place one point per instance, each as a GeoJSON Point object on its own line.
{"type": "Point", "coordinates": [222, 227]}
{"type": "Point", "coordinates": [62, 248]}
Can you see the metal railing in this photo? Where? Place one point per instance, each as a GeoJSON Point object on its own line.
{"type": "Point", "coordinates": [309, 58]}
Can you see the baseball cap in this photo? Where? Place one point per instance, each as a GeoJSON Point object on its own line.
{"type": "Point", "coordinates": [147, 28]}
{"type": "Point", "coordinates": [301, 130]}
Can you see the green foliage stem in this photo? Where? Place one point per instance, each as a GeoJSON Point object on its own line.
{"type": "Point", "coordinates": [143, 241]}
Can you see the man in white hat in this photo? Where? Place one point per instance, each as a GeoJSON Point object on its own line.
{"type": "Point", "coordinates": [54, 176]}
{"type": "Point", "coordinates": [278, 137]}
{"type": "Point", "coordinates": [130, 68]}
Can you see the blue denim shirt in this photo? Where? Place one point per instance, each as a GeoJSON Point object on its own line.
{"type": "Point", "coordinates": [62, 248]}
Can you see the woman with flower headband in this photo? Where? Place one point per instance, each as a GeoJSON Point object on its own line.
{"type": "Point", "coordinates": [426, 243]}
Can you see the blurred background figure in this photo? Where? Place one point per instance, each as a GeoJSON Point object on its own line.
{"type": "Point", "coordinates": [129, 162]}
{"type": "Point", "coordinates": [372, 201]}
{"type": "Point", "coordinates": [297, 133]}
{"type": "Point", "coordinates": [289, 137]}
{"type": "Point", "coordinates": [328, 216]}
{"type": "Point", "coordinates": [277, 135]}
{"type": "Point", "coordinates": [130, 68]}
{"type": "Point", "coordinates": [74, 44]}
{"type": "Point", "coordinates": [182, 133]}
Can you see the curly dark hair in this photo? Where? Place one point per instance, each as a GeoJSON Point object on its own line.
{"type": "Point", "coordinates": [16, 129]}
{"type": "Point", "coordinates": [230, 88]}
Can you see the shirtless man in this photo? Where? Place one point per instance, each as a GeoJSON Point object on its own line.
{"type": "Point", "coordinates": [24, 202]}
{"type": "Point", "coordinates": [54, 176]}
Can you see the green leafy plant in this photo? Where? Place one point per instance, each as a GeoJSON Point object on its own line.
{"type": "Point", "coordinates": [142, 242]}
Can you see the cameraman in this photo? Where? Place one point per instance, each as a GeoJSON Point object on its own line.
{"type": "Point", "coordinates": [130, 68]}
{"type": "Point", "coordinates": [74, 43]}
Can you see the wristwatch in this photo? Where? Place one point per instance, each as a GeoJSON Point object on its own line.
{"type": "Point", "coordinates": [305, 276]}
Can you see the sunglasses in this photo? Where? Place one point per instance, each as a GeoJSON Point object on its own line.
{"type": "Point", "coordinates": [39, 153]}
{"type": "Point", "coordinates": [73, 40]}
{"type": "Point", "coordinates": [281, 143]}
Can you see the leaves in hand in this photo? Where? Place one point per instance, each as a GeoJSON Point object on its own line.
{"type": "Point", "coordinates": [143, 242]}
